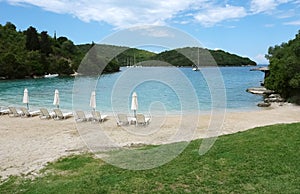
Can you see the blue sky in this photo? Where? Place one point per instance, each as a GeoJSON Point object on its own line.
{"type": "Point", "coordinates": [247, 28]}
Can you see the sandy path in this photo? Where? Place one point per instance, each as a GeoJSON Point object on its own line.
{"type": "Point", "coordinates": [27, 144]}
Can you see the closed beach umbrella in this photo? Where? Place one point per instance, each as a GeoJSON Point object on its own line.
{"type": "Point", "coordinates": [134, 103]}
{"type": "Point", "coordinates": [26, 98]}
{"type": "Point", "coordinates": [56, 99]}
{"type": "Point", "coordinates": [93, 100]}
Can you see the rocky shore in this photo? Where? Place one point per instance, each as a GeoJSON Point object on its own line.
{"type": "Point", "coordinates": [269, 96]}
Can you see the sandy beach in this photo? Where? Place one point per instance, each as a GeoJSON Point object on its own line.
{"type": "Point", "coordinates": [27, 144]}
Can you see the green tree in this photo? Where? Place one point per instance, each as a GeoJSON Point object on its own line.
{"type": "Point", "coordinates": [62, 39]}
{"type": "Point", "coordinates": [10, 26]}
{"type": "Point", "coordinates": [6, 65]}
{"type": "Point", "coordinates": [32, 39]}
{"type": "Point", "coordinates": [12, 68]}
{"type": "Point", "coordinates": [64, 67]}
{"type": "Point", "coordinates": [112, 66]}
{"type": "Point", "coordinates": [69, 47]}
{"type": "Point", "coordinates": [45, 43]}
{"type": "Point", "coordinates": [285, 69]}
{"type": "Point", "coordinates": [33, 62]}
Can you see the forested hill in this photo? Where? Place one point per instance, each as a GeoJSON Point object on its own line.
{"type": "Point", "coordinates": [204, 57]}
{"type": "Point", "coordinates": [187, 56]}
{"type": "Point", "coordinates": [227, 59]}
{"type": "Point", "coordinates": [30, 53]}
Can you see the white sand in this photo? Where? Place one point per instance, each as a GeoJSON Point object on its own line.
{"type": "Point", "coordinates": [27, 144]}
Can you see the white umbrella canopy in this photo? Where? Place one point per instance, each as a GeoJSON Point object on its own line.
{"type": "Point", "coordinates": [134, 103]}
{"type": "Point", "coordinates": [93, 100]}
{"type": "Point", "coordinates": [56, 98]}
{"type": "Point", "coordinates": [26, 98]}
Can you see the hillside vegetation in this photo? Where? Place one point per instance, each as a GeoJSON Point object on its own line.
{"type": "Point", "coordinates": [190, 56]}
{"type": "Point", "coordinates": [30, 53]}
{"type": "Point", "coordinates": [180, 57]}
{"type": "Point", "coordinates": [284, 75]}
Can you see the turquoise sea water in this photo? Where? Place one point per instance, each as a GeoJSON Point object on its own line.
{"type": "Point", "coordinates": [159, 89]}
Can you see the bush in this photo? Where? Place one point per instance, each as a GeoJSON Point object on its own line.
{"type": "Point", "coordinates": [284, 75]}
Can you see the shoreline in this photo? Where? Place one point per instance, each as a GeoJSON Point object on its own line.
{"type": "Point", "coordinates": [28, 144]}
{"type": "Point", "coordinates": [158, 113]}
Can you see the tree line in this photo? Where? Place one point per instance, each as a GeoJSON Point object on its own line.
{"type": "Point", "coordinates": [30, 53]}
{"type": "Point", "coordinates": [284, 67]}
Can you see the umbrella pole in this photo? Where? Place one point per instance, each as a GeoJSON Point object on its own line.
{"type": "Point", "coordinates": [134, 113]}
{"type": "Point", "coordinates": [27, 106]}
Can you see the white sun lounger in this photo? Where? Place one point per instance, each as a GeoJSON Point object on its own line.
{"type": "Point", "coordinates": [45, 114]}
{"type": "Point", "coordinates": [13, 112]}
{"type": "Point", "coordinates": [4, 111]}
{"type": "Point", "coordinates": [80, 116]}
{"type": "Point", "coordinates": [142, 120]}
{"type": "Point", "coordinates": [122, 119]}
{"type": "Point", "coordinates": [27, 113]}
{"type": "Point", "coordinates": [98, 117]}
{"type": "Point", "coordinates": [59, 115]}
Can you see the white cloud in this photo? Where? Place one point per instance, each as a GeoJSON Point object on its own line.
{"type": "Point", "coordinates": [293, 23]}
{"type": "Point", "coordinates": [52, 5]}
{"type": "Point", "coordinates": [267, 6]}
{"type": "Point", "coordinates": [124, 14]}
{"type": "Point", "coordinates": [258, 6]}
{"type": "Point", "coordinates": [287, 14]}
{"type": "Point", "coordinates": [118, 13]}
{"type": "Point", "coordinates": [218, 14]}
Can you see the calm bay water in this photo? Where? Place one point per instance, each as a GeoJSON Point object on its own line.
{"type": "Point", "coordinates": [159, 89]}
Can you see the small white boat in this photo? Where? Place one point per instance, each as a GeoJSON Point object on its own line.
{"type": "Point", "coordinates": [196, 69]}
{"type": "Point", "coordinates": [75, 74]}
{"type": "Point", "coordinates": [51, 75]}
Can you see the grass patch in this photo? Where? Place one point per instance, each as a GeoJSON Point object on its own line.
{"type": "Point", "coordinates": [71, 163]}
{"type": "Point", "coordinates": [262, 160]}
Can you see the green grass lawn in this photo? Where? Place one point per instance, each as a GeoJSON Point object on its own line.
{"type": "Point", "coordinates": [261, 160]}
